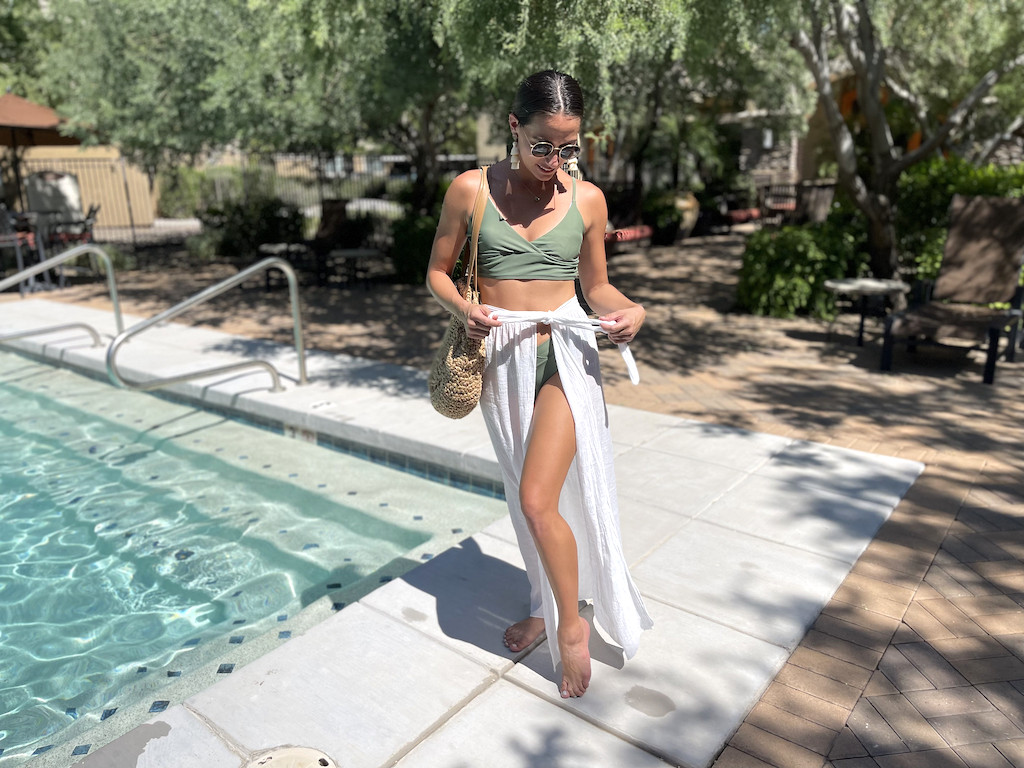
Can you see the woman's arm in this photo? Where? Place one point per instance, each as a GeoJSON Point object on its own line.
{"type": "Point", "coordinates": [448, 241]}
{"type": "Point", "coordinates": [621, 317]}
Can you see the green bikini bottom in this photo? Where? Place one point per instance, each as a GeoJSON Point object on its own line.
{"type": "Point", "coordinates": [546, 365]}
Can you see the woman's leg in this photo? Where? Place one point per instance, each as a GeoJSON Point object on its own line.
{"type": "Point", "coordinates": [548, 457]}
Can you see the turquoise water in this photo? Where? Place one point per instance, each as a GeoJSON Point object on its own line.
{"type": "Point", "coordinates": [142, 540]}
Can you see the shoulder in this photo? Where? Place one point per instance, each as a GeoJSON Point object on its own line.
{"type": "Point", "coordinates": [590, 199]}
{"type": "Point", "coordinates": [461, 193]}
{"type": "Point", "coordinates": [588, 193]}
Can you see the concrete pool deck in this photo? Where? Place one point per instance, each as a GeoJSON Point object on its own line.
{"type": "Point", "coordinates": [737, 539]}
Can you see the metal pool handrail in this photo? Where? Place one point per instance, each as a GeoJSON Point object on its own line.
{"type": "Point", "coordinates": [56, 261]}
{"type": "Point", "coordinates": [205, 295]}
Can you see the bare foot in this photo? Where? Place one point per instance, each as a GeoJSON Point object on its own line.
{"type": "Point", "coordinates": [522, 634]}
{"type": "Point", "coordinates": [573, 644]}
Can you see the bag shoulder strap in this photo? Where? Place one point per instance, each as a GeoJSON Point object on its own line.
{"type": "Point", "coordinates": [478, 214]}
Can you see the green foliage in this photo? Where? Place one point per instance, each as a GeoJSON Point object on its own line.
{"type": "Point", "coordinates": [24, 31]}
{"type": "Point", "coordinates": [202, 248]}
{"type": "Point", "coordinates": [181, 192]}
{"type": "Point", "coordinates": [240, 227]}
{"type": "Point", "coordinates": [659, 211]}
{"type": "Point", "coordinates": [410, 252]}
{"type": "Point", "coordinates": [784, 271]}
{"type": "Point", "coordinates": [925, 194]}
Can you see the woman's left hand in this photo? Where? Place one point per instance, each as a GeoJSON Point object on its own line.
{"type": "Point", "coordinates": [623, 324]}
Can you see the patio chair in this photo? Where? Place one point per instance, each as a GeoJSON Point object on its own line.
{"type": "Point", "coordinates": [72, 232]}
{"type": "Point", "coordinates": [981, 266]}
{"type": "Point", "coordinates": [12, 239]}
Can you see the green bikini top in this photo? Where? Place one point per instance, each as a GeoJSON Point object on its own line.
{"type": "Point", "coordinates": [506, 254]}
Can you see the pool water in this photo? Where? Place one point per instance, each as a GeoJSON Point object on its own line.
{"type": "Point", "coordinates": [147, 547]}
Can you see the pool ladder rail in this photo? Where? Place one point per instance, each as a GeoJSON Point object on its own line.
{"type": "Point", "coordinates": [205, 295]}
{"type": "Point", "coordinates": [124, 335]}
{"type": "Point", "coordinates": [52, 263]}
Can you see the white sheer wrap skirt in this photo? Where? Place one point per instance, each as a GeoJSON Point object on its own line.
{"type": "Point", "coordinates": [588, 500]}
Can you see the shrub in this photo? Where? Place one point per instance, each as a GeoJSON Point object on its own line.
{"type": "Point", "coordinates": [659, 212]}
{"type": "Point", "coordinates": [924, 195]}
{"type": "Point", "coordinates": [413, 237]}
{"type": "Point", "coordinates": [240, 227]}
{"type": "Point", "coordinates": [181, 193]}
{"type": "Point", "coordinates": [784, 271]}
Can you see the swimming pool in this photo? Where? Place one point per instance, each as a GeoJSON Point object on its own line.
{"type": "Point", "coordinates": [148, 547]}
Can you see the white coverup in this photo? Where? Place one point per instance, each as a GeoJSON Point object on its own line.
{"type": "Point", "coordinates": [588, 501]}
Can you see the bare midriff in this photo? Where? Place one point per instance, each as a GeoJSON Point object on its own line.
{"type": "Point", "coordinates": [527, 296]}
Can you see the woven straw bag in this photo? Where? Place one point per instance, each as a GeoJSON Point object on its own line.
{"type": "Point", "coordinates": [457, 373]}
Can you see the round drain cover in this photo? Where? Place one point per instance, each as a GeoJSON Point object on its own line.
{"type": "Point", "coordinates": [292, 757]}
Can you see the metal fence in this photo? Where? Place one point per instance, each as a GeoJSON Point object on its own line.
{"type": "Point", "coordinates": [129, 200]}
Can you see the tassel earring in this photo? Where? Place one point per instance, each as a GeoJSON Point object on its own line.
{"type": "Point", "coordinates": [573, 166]}
{"type": "Point", "coordinates": [513, 157]}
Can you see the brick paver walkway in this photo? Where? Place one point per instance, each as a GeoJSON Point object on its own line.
{"type": "Point", "coordinates": [918, 660]}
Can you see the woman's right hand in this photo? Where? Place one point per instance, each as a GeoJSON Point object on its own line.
{"type": "Point", "coordinates": [478, 321]}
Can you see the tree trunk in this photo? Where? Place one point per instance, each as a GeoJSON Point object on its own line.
{"type": "Point", "coordinates": [882, 242]}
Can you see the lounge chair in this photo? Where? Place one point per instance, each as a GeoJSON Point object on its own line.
{"type": "Point", "coordinates": [981, 265]}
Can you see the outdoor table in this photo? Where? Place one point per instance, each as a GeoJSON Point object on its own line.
{"type": "Point", "coordinates": [863, 289]}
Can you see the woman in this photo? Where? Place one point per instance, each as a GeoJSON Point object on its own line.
{"type": "Point", "coordinates": [542, 397]}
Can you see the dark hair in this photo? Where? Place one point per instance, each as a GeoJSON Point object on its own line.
{"type": "Point", "coordinates": [550, 92]}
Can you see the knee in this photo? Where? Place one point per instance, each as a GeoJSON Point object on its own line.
{"type": "Point", "coordinates": [538, 507]}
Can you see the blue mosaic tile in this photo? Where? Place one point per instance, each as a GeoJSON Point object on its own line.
{"type": "Point", "coordinates": [417, 517]}
{"type": "Point", "coordinates": [140, 671]}
{"type": "Point", "coordinates": [426, 556]}
{"type": "Point", "coordinates": [335, 585]}
{"type": "Point", "coordinates": [337, 606]}
{"type": "Point", "coordinates": [237, 593]}
{"type": "Point", "coordinates": [225, 669]}
{"type": "Point", "coordinates": [174, 673]}
{"type": "Point", "coordinates": [383, 504]}
{"type": "Point", "coordinates": [190, 643]}
{"type": "Point", "coordinates": [154, 477]}
{"type": "Point", "coordinates": [243, 456]}
{"type": "Point", "coordinates": [293, 474]}
{"type": "Point", "coordinates": [236, 639]}
{"type": "Point", "coordinates": [283, 617]}
{"type": "Point", "coordinates": [284, 634]}
{"type": "Point", "coordinates": [159, 706]}
{"type": "Point", "coordinates": [238, 621]}
{"type": "Point", "coordinates": [321, 485]}
{"type": "Point", "coordinates": [353, 493]}
{"type": "Point", "coordinates": [456, 530]}
{"type": "Point", "coordinates": [310, 546]}
{"type": "Point", "coordinates": [1, 750]}
{"type": "Point", "coordinates": [71, 712]}
{"type": "Point", "coordinates": [81, 749]}
{"type": "Point", "coordinates": [41, 750]}
{"type": "Point", "coordinates": [108, 713]}
{"type": "Point", "coordinates": [385, 579]}
{"type": "Point", "coordinates": [267, 466]}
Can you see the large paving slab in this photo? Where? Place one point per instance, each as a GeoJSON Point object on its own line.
{"type": "Point", "coordinates": [359, 686]}
{"type": "Point", "coordinates": [508, 727]}
{"type": "Point", "coordinates": [686, 690]}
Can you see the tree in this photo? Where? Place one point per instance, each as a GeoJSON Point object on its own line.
{"type": "Point", "coordinates": [167, 80]}
{"type": "Point", "coordinates": [399, 83]}
{"type": "Point", "coordinates": [24, 31]}
{"type": "Point", "coordinates": [940, 58]}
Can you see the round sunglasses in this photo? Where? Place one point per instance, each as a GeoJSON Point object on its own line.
{"type": "Point", "coordinates": [544, 148]}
